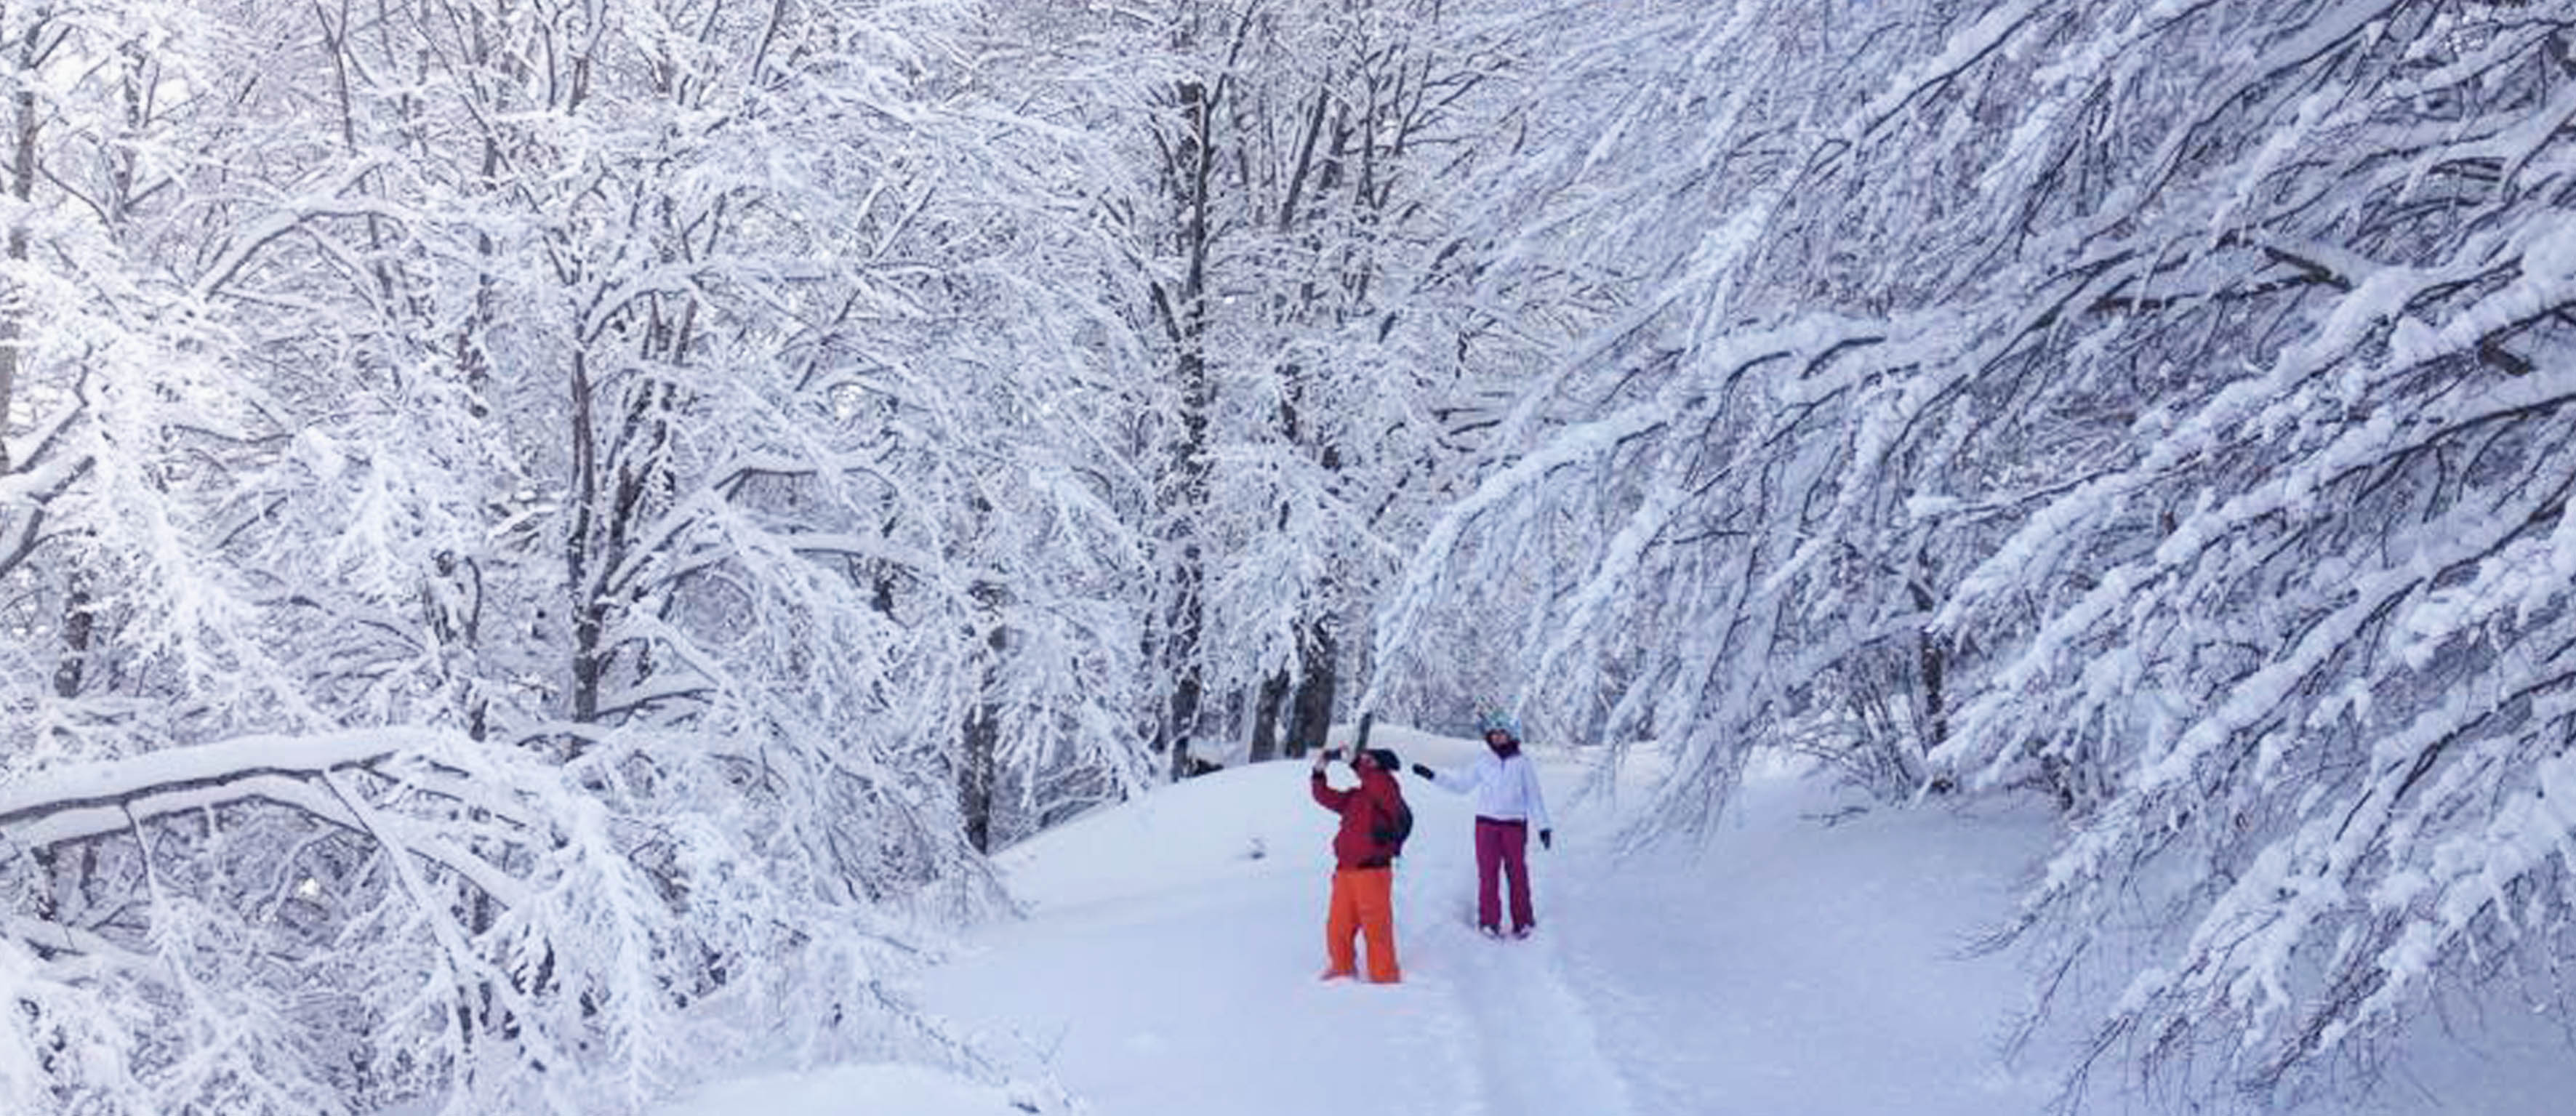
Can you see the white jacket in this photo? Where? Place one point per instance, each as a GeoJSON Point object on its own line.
{"type": "Point", "coordinates": [1505, 789]}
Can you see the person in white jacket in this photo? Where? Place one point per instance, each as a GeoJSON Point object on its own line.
{"type": "Point", "coordinates": [1508, 806]}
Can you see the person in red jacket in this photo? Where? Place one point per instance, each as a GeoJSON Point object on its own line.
{"type": "Point", "coordinates": [1374, 818]}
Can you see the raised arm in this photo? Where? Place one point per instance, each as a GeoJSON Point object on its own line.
{"type": "Point", "coordinates": [1325, 795]}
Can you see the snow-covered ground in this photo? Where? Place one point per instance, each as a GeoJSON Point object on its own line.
{"type": "Point", "coordinates": [1807, 960]}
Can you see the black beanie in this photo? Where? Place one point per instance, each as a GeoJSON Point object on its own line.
{"type": "Point", "coordinates": [1385, 760]}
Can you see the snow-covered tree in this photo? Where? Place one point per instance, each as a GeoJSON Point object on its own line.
{"type": "Point", "coordinates": [1312, 230]}
{"type": "Point", "coordinates": [1615, 568]}
{"type": "Point", "coordinates": [534, 489]}
{"type": "Point", "coordinates": [2162, 397]}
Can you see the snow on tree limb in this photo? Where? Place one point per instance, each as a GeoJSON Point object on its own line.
{"type": "Point", "coordinates": [120, 783]}
{"type": "Point", "coordinates": [2216, 435]}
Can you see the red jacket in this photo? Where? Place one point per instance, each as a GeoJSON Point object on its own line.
{"type": "Point", "coordinates": [1365, 809]}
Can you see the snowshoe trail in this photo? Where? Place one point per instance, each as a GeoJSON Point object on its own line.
{"type": "Point", "coordinates": [1534, 1047]}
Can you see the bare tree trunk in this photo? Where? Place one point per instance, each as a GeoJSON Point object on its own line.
{"type": "Point", "coordinates": [1265, 717]}
{"type": "Point", "coordinates": [977, 765]}
{"type": "Point", "coordinates": [589, 607]}
{"type": "Point", "coordinates": [975, 774]}
{"type": "Point", "coordinates": [1185, 317]}
{"type": "Point", "coordinates": [1189, 605]}
{"type": "Point", "coordinates": [1932, 661]}
{"type": "Point", "coordinates": [1310, 720]}
{"type": "Point", "coordinates": [79, 625]}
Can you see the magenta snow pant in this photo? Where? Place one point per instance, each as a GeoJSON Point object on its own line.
{"type": "Point", "coordinates": [1502, 847]}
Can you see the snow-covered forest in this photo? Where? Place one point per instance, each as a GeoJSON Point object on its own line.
{"type": "Point", "coordinates": [542, 542]}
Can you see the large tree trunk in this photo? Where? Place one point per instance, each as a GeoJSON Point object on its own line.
{"type": "Point", "coordinates": [1310, 720]}
{"type": "Point", "coordinates": [1265, 717]}
{"type": "Point", "coordinates": [1185, 318]}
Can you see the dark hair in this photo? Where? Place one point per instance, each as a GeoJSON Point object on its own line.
{"type": "Point", "coordinates": [1385, 759]}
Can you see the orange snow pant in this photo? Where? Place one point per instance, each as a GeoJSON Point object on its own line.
{"type": "Point", "coordinates": [1363, 904]}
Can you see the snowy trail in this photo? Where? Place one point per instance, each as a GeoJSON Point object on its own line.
{"type": "Point", "coordinates": [1523, 1040]}
{"type": "Point", "coordinates": [1204, 983]}
{"type": "Point", "coordinates": [1787, 966]}
{"type": "Point", "coordinates": [1537, 1051]}
{"type": "Point", "coordinates": [1153, 971]}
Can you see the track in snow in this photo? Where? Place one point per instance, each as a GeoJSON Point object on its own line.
{"type": "Point", "coordinates": [1519, 1029]}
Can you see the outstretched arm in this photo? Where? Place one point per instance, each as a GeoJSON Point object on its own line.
{"type": "Point", "coordinates": [1455, 784]}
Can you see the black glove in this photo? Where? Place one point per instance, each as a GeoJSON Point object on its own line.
{"type": "Point", "coordinates": [1424, 770]}
{"type": "Point", "coordinates": [1547, 838]}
